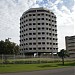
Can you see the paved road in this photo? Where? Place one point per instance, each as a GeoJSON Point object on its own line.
{"type": "Point", "coordinates": [63, 71]}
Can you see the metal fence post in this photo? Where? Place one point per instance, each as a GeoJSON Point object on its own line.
{"type": "Point", "coordinates": [2, 58]}
{"type": "Point", "coordinates": [14, 58]}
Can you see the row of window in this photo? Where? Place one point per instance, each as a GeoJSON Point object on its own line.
{"type": "Point", "coordinates": [39, 28]}
{"type": "Point", "coordinates": [71, 46]}
{"type": "Point", "coordinates": [71, 42]}
{"type": "Point", "coordinates": [42, 14]}
{"type": "Point", "coordinates": [30, 24]}
{"type": "Point", "coordinates": [38, 20]}
{"type": "Point", "coordinates": [39, 33]}
{"type": "Point", "coordinates": [70, 38]}
{"type": "Point", "coordinates": [39, 43]}
{"type": "Point", "coordinates": [40, 48]}
{"type": "Point", "coordinates": [43, 33]}
{"type": "Point", "coordinates": [39, 38]}
{"type": "Point", "coordinates": [72, 50]}
{"type": "Point", "coordinates": [30, 19]}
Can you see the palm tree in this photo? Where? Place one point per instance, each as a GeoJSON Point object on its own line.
{"type": "Point", "coordinates": [62, 54]}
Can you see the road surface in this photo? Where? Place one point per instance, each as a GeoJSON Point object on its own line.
{"type": "Point", "coordinates": [62, 71]}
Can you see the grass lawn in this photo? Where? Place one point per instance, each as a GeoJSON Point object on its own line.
{"type": "Point", "coordinates": [5, 68]}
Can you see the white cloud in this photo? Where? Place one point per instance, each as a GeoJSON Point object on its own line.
{"type": "Point", "coordinates": [73, 14]}
{"type": "Point", "coordinates": [35, 6]}
{"type": "Point", "coordinates": [11, 11]}
{"type": "Point", "coordinates": [62, 32]}
{"type": "Point", "coordinates": [65, 22]}
{"type": "Point", "coordinates": [65, 25]}
{"type": "Point", "coordinates": [40, 0]}
{"type": "Point", "coordinates": [57, 1]}
{"type": "Point", "coordinates": [64, 9]}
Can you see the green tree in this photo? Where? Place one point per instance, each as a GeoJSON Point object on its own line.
{"type": "Point", "coordinates": [62, 54]}
{"type": "Point", "coordinates": [7, 47]}
{"type": "Point", "coordinates": [2, 46]}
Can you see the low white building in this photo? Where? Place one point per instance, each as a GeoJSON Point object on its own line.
{"type": "Point", "coordinates": [70, 45]}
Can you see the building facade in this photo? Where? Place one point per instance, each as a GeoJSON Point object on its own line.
{"type": "Point", "coordinates": [38, 32]}
{"type": "Point", "coordinates": [70, 45]}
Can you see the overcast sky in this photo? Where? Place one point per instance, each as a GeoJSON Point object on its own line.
{"type": "Point", "coordinates": [11, 11]}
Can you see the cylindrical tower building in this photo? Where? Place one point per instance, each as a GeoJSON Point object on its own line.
{"type": "Point", "coordinates": [38, 32]}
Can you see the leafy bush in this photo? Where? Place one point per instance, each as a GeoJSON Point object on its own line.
{"type": "Point", "coordinates": [34, 62]}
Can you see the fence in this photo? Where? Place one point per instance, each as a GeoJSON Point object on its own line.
{"type": "Point", "coordinates": [22, 59]}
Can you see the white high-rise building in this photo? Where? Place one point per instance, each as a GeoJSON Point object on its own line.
{"type": "Point", "coordinates": [38, 32]}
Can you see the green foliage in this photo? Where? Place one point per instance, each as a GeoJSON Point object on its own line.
{"type": "Point", "coordinates": [34, 62]}
{"type": "Point", "coordinates": [31, 67]}
{"type": "Point", "coordinates": [62, 54]}
{"type": "Point", "coordinates": [7, 47]}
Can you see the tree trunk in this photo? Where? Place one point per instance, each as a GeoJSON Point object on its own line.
{"type": "Point", "coordinates": [62, 60]}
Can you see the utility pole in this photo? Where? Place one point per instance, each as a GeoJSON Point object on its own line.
{"type": "Point", "coordinates": [8, 39]}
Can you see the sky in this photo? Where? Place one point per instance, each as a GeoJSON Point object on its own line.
{"type": "Point", "coordinates": [12, 10]}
